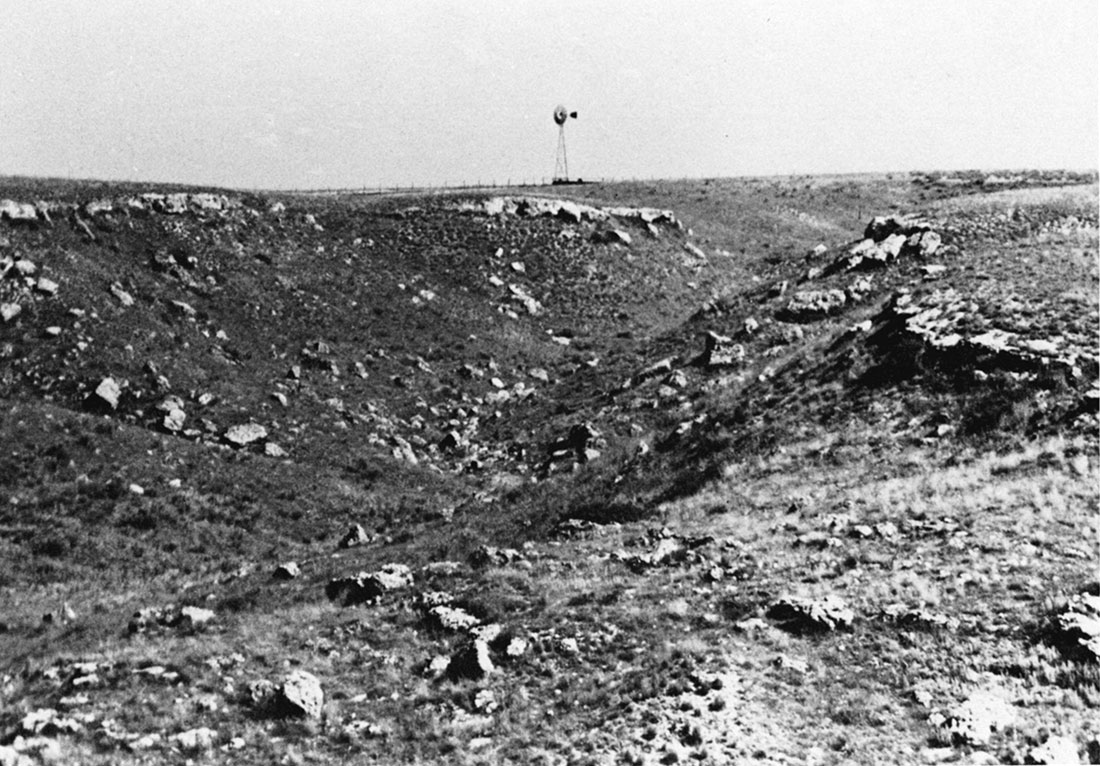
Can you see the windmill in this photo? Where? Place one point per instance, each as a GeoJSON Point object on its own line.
{"type": "Point", "coordinates": [561, 164]}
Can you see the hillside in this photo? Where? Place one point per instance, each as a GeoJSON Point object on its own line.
{"type": "Point", "coordinates": [785, 470]}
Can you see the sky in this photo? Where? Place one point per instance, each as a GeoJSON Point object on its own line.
{"type": "Point", "coordinates": [276, 94]}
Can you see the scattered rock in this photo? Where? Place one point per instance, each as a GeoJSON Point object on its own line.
{"type": "Point", "coordinates": [9, 311]}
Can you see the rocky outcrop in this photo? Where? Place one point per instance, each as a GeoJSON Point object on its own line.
{"type": "Point", "coordinates": [569, 211]}
{"type": "Point", "coordinates": [885, 240]}
{"type": "Point", "coordinates": [945, 322]}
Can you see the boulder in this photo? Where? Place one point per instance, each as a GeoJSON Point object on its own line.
{"type": "Point", "coordinates": [661, 367]}
{"type": "Point", "coordinates": [695, 251]}
{"type": "Point", "coordinates": [369, 587]}
{"type": "Point", "coordinates": [892, 245]}
{"type": "Point", "coordinates": [185, 618]}
{"type": "Point", "coordinates": [288, 571]}
{"type": "Point", "coordinates": [981, 714]}
{"type": "Point", "coordinates": [802, 615]}
{"type": "Point", "coordinates": [123, 297]}
{"type": "Point", "coordinates": [245, 434]}
{"type": "Point", "coordinates": [808, 305]}
{"type": "Point", "coordinates": [881, 227]}
{"type": "Point", "coordinates": [721, 351]}
{"type": "Point", "coordinates": [488, 555]}
{"type": "Point", "coordinates": [98, 207]}
{"type": "Point", "coordinates": [356, 535]}
{"type": "Point", "coordinates": [47, 721]}
{"type": "Point", "coordinates": [923, 243]}
{"type": "Point", "coordinates": [17, 212]}
{"type": "Point", "coordinates": [453, 441]}
{"type": "Point", "coordinates": [46, 286]}
{"type": "Point", "coordinates": [105, 395]}
{"type": "Point", "coordinates": [194, 617]}
{"type": "Point", "coordinates": [472, 660]}
{"type": "Point", "coordinates": [208, 202]}
{"type": "Point", "coordinates": [1077, 627]}
{"type": "Point", "coordinates": [9, 311]}
{"type": "Point", "coordinates": [300, 696]}
{"type": "Point", "coordinates": [196, 740]}
{"type": "Point", "coordinates": [569, 212]}
{"type": "Point", "coordinates": [1056, 750]}
{"type": "Point", "coordinates": [173, 420]}
{"type": "Point", "coordinates": [271, 449]}
{"type": "Point", "coordinates": [174, 204]}
{"type": "Point", "coordinates": [532, 306]}
{"type": "Point", "coordinates": [449, 618]}
{"type": "Point", "coordinates": [182, 308]}
{"type": "Point", "coordinates": [611, 237]}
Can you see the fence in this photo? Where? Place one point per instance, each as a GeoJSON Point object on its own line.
{"type": "Point", "coordinates": [465, 186]}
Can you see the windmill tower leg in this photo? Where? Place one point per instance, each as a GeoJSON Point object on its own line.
{"type": "Point", "coordinates": [561, 164]}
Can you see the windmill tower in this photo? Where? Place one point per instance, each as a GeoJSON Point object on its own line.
{"type": "Point", "coordinates": [561, 163]}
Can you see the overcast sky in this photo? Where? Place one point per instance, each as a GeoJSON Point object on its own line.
{"type": "Point", "coordinates": [342, 93]}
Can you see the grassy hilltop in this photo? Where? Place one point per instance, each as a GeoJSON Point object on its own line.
{"type": "Point", "coordinates": [778, 470]}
